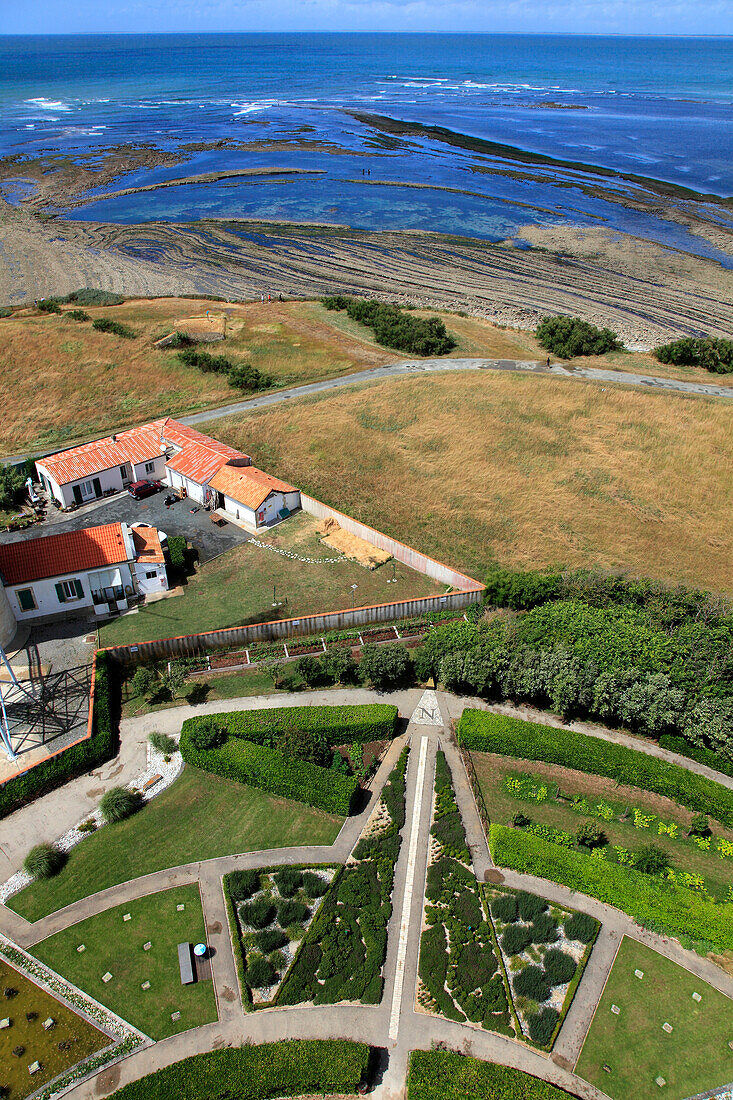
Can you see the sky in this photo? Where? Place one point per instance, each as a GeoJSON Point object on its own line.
{"type": "Point", "coordinates": [659, 17]}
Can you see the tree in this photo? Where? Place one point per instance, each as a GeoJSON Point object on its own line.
{"type": "Point", "coordinates": [143, 682]}
{"type": "Point", "coordinates": [207, 733]}
{"type": "Point", "coordinates": [339, 664]}
{"type": "Point", "coordinates": [12, 485]}
{"type": "Point", "coordinates": [173, 679]}
{"type": "Point", "coordinates": [385, 667]}
{"type": "Point", "coordinates": [272, 667]}
{"type": "Point", "coordinates": [311, 669]}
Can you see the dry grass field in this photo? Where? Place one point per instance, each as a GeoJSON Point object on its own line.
{"type": "Point", "coordinates": [61, 381]}
{"type": "Point", "coordinates": [524, 470]}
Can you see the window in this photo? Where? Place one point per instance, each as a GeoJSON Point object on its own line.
{"type": "Point", "coordinates": [151, 574]}
{"type": "Point", "coordinates": [69, 590]}
{"type": "Point", "coordinates": [87, 489]}
{"type": "Point", "coordinates": [27, 600]}
{"type": "Point", "coordinates": [149, 467]}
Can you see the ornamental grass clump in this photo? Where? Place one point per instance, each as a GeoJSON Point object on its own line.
{"type": "Point", "coordinates": [530, 905]}
{"type": "Point", "coordinates": [258, 913]}
{"type": "Point", "coordinates": [119, 803]}
{"type": "Point", "coordinates": [260, 973]}
{"type": "Point", "coordinates": [243, 884]}
{"type": "Point", "coordinates": [44, 861]}
{"type": "Point", "coordinates": [581, 927]}
{"type": "Point", "coordinates": [532, 982]}
{"type": "Point", "coordinates": [288, 881]}
{"type": "Point", "coordinates": [505, 908]}
{"type": "Point", "coordinates": [542, 1025]}
{"type": "Point", "coordinates": [515, 939]}
{"type": "Point", "coordinates": [314, 886]}
{"type": "Point", "coordinates": [291, 912]}
{"type": "Point", "coordinates": [559, 966]}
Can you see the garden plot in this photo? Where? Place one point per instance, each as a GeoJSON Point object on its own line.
{"type": "Point", "coordinates": [459, 973]}
{"type": "Point", "coordinates": [544, 949]}
{"type": "Point", "coordinates": [342, 956]}
{"type": "Point", "coordinates": [273, 910]}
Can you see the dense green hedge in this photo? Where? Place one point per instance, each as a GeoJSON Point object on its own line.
{"type": "Point", "coordinates": [570, 336]}
{"type": "Point", "coordinates": [653, 902]}
{"type": "Point", "coordinates": [328, 725]}
{"type": "Point", "coordinates": [289, 1068]}
{"type": "Point", "coordinates": [80, 758]}
{"type": "Point", "coordinates": [445, 1075]}
{"type": "Point", "coordinates": [394, 329]}
{"type": "Point", "coordinates": [497, 733]}
{"type": "Point", "coordinates": [272, 771]}
{"type": "Point", "coordinates": [708, 352]}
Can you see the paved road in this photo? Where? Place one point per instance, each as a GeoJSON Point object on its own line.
{"type": "Point", "coordinates": [394, 1024]}
{"type": "Point", "coordinates": [437, 366]}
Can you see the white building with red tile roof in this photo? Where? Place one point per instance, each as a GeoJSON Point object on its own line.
{"type": "Point", "coordinates": [209, 472]}
{"type": "Point", "coordinates": [97, 569]}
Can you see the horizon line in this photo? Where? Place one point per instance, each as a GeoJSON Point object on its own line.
{"type": "Point", "coordinates": [414, 33]}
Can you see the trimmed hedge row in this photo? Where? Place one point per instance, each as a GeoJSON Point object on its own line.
{"type": "Point", "coordinates": [79, 758]}
{"type": "Point", "coordinates": [334, 725]}
{"type": "Point", "coordinates": [289, 1068]}
{"type": "Point", "coordinates": [497, 733]}
{"type": "Point", "coordinates": [657, 904]}
{"type": "Point", "coordinates": [272, 771]}
{"type": "Point", "coordinates": [445, 1075]}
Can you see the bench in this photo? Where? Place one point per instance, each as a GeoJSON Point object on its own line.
{"type": "Point", "coordinates": [185, 963]}
{"type": "Point", "coordinates": [151, 782]}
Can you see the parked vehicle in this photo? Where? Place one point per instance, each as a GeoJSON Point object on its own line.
{"type": "Point", "coordinates": [140, 489]}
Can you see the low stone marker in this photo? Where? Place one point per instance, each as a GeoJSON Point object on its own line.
{"type": "Point", "coordinates": [639, 973]}
{"type": "Point", "coordinates": [180, 908]}
{"type": "Point", "coordinates": [175, 1015]}
{"type": "Point", "coordinates": [667, 1027]}
{"type": "Point", "coordinates": [147, 946]}
{"type": "Point", "coordinates": [81, 947]}
{"type": "Point", "coordinates": [50, 1021]}
{"type": "Point", "coordinates": [696, 997]}
{"type": "Point", "coordinates": [126, 916]}
{"type": "Point", "coordinates": [107, 977]}
{"type": "Point", "coordinates": [615, 1010]}
{"type": "Point", "coordinates": [4, 1023]}
{"type": "Point", "coordinates": [660, 1081]}
{"type": "Point", "coordinates": [34, 1067]}
{"type": "Point", "coordinates": [145, 985]}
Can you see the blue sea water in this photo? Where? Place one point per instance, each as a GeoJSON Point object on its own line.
{"type": "Point", "coordinates": [650, 107]}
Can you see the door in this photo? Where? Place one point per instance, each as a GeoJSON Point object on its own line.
{"type": "Point", "coordinates": [126, 474]}
{"type": "Point", "coordinates": [97, 486]}
{"type": "Point", "coordinates": [77, 495]}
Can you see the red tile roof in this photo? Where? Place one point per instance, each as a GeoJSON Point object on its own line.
{"type": "Point", "coordinates": [148, 550]}
{"type": "Point", "coordinates": [248, 485]}
{"type": "Point", "coordinates": [200, 455]}
{"type": "Point", "coordinates": [181, 435]}
{"type": "Point", "coordinates": [136, 445]}
{"type": "Point", "coordinates": [58, 555]}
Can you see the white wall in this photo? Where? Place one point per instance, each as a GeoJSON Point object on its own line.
{"type": "Point", "coordinates": [108, 479]}
{"type": "Point", "coordinates": [157, 474]}
{"type": "Point", "coordinates": [148, 586]}
{"type": "Point", "coordinates": [193, 490]}
{"type": "Point", "coordinates": [46, 597]}
{"type": "Point", "coordinates": [272, 506]}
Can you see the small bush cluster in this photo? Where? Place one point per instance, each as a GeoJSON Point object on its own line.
{"type": "Point", "coordinates": [448, 828]}
{"type": "Point", "coordinates": [44, 861]}
{"type": "Point", "coordinates": [241, 375]}
{"type": "Point", "coordinates": [568, 337]}
{"type": "Point", "coordinates": [119, 803]}
{"type": "Point", "coordinates": [77, 315]}
{"type": "Point", "coordinates": [708, 352]}
{"type": "Point", "coordinates": [393, 328]}
{"type": "Point", "coordinates": [341, 957]}
{"type": "Point", "coordinates": [91, 296]}
{"type": "Point", "coordinates": [114, 328]}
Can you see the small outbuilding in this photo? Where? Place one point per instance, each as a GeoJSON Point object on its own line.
{"type": "Point", "coordinates": [255, 498]}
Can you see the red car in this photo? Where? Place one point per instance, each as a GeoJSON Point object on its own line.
{"type": "Point", "coordinates": [140, 489]}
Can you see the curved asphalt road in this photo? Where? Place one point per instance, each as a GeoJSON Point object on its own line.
{"type": "Point", "coordinates": [436, 366]}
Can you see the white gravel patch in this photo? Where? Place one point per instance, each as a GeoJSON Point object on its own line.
{"type": "Point", "coordinates": [156, 765]}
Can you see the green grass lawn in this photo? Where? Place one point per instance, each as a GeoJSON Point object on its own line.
{"type": "Point", "coordinates": [200, 816]}
{"type": "Point", "coordinates": [113, 945]}
{"type": "Point", "coordinates": [693, 1058]}
{"type": "Point", "coordinates": [237, 588]}
{"type": "Point", "coordinates": [682, 853]}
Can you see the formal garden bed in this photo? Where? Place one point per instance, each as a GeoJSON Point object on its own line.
{"type": "Point", "coordinates": [634, 831]}
{"type": "Point", "coordinates": [342, 956]}
{"type": "Point", "coordinates": [271, 910]}
{"type": "Point", "coordinates": [447, 1075]}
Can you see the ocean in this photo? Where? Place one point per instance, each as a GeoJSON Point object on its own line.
{"type": "Point", "coordinates": [582, 130]}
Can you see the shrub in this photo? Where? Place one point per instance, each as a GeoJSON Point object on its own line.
{"type": "Point", "coordinates": [119, 803]}
{"type": "Point", "coordinates": [91, 296]}
{"type": "Point", "coordinates": [249, 1072]}
{"type": "Point", "coordinates": [394, 329]}
{"type": "Point", "coordinates": [542, 1025]}
{"type": "Point", "coordinates": [260, 973]}
{"type": "Point", "coordinates": [291, 912]}
{"type": "Point", "coordinates": [207, 733]}
{"type": "Point", "coordinates": [271, 939]}
{"type": "Point", "coordinates": [385, 667]}
{"type": "Point", "coordinates": [258, 913]}
{"type": "Point", "coordinates": [569, 336]}
{"type": "Point", "coordinates": [77, 315]}
{"type": "Point", "coordinates": [559, 966]}
{"type": "Point", "coordinates": [699, 826]}
{"type": "Point", "coordinates": [467, 908]}
{"type": "Point", "coordinates": [504, 908]}
{"type": "Point", "coordinates": [655, 903]}
{"type": "Point", "coordinates": [711, 354]}
{"type": "Point", "coordinates": [530, 905]}
{"type": "Point", "coordinates": [544, 929]}
{"type": "Point", "coordinates": [143, 682]}
{"type": "Point", "coordinates": [114, 328]}
{"type": "Point", "coordinates": [334, 725]}
{"type": "Point", "coordinates": [339, 665]}
{"type": "Point", "coordinates": [288, 881]}
{"type": "Point", "coordinates": [532, 982]}
{"type": "Point", "coordinates": [177, 554]}
{"type": "Point", "coordinates": [311, 670]}
{"type": "Point", "coordinates": [482, 731]}
{"type": "Point", "coordinates": [580, 926]}
{"type": "Point", "coordinates": [163, 743]}
{"type": "Point", "coordinates": [445, 1075]}
{"type": "Point", "coordinates": [591, 835]}
{"type": "Point", "coordinates": [245, 377]}
{"type": "Point", "coordinates": [314, 886]}
{"type": "Point", "coordinates": [651, 860]}
{"type": "Point", "coordinates": [49, 305]}
{"type": "Point", "coordinates": [243, 884]}
{"type": "Point", "coordinates": [515, 939]}
{"type": "Point", "coordinates": [44, 861]}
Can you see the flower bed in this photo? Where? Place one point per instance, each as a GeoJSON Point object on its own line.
{"type": "Point", "coordinates": [342, 956]}
{"type": "Point", "coordinates": [273, 908]}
